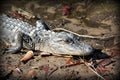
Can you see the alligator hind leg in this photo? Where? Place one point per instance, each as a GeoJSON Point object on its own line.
{"type": "Point", "coordinates": [30, 46]}
{"type": "Point", "coordinates": [17, 44]}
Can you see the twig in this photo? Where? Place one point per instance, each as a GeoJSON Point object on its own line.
{"type": "Point", "coordinates": [70, 65]}
{"type": "Point", "coordinates": [55, 69]}
{"type": "Point", "coordinates": [93, 70]}
{"type": "Point", "coordinates": [86, 36]}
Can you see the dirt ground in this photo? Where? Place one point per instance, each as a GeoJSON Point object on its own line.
{"type": "Point", "coordinates": [98, 18]}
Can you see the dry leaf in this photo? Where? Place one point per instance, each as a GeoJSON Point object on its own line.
{"type": "Point", "coordinates": [27, 56]}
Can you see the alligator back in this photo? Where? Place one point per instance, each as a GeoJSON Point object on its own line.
{"type": "Point", "coordinates": [14, 25]}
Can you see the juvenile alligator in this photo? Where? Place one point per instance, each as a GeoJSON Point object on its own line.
{"type": "Point", "coordinates": [18, 34]}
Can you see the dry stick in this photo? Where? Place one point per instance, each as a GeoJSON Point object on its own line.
{"type": "Point", "coordinates": [93, 70]}
{"type": "Point", "coordinates": [87, 36]}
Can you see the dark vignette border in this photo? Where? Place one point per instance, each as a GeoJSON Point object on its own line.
{"type": "Point", "coordinates": [65, 2]}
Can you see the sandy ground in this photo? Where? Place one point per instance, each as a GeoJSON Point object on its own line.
{"type": "Point", "coordinates": [98, 19]}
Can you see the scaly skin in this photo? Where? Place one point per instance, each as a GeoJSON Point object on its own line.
{"type": "Point", "coordinates": [18, 34]}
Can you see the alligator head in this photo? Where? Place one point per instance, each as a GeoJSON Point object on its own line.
{"type": "Point", "coordinates": [65, 43]}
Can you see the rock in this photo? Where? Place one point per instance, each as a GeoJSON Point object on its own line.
{"type": "Point", "coordinates": [27, 14]}
{"type": "Point", "coordinates": [30, 75]}
{"type": "Point", "coordinates": [80, 9]}
{"type": "Point", "coordinates": [83, 32]}
{"type": "Point", "coordinates": [51, 10]}
{"type": "Point", "coordinates": [32, 5]}
{"type": "Point", "coordinates": [72, 20]}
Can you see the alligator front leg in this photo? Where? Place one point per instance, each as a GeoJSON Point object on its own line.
{"type": "Point", "coordinates": [17, 43]}
{"type": "Point", "coordinates": [30, 45]}
{"type": "Point", "coordinates": [28, 42]}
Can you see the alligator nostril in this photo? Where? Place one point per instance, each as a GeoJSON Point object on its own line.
{"type": "Point", "coordinates": [90, 49]}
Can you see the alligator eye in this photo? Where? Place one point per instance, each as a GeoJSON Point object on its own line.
{"type": "Point", "coordinates": [68, 41]}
